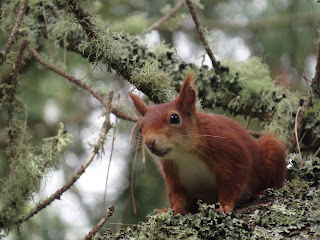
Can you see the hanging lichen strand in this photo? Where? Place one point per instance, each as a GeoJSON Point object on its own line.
{"type": "Point", "coordinates": [28, 164]}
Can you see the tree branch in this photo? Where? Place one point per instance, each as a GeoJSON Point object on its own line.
{"type": "Point", "coordinates": [215, 64]}
{"type": "Point", "coordinates": [81, 84]}
{"type": "Point", "coordinates": [105, 217]}
{"type": "Point", "coordinates": [14, 32]}
{"type": "Point", "coordinates": [162, 20]}
{"type": "Point", "coordinates": [12, 91]}
{"type": "Point", "coordinates": [105, 128]}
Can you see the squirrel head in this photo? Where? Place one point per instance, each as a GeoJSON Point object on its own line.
{"type": "Point", "coordinates": [169, 128]}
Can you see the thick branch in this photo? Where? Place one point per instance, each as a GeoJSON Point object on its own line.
{"type": "Point", "coordinates": [14, 32]}
{"type": "Point", "coordinates": [216, 88]}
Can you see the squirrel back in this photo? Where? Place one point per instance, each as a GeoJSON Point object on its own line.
{"type": "Point", "coordinates": [208, 157]}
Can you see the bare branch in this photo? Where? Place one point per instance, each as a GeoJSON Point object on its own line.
{"type": "Point", "coordinates": [81, 84]}
{"type": "Point", "coordinates": [105, 128]}
{"type": "Point", "coordinates": [215, 64]}
{"type": "Point", "coordinates": [105, 217]}
{"type": "Point", "coordinates": [14, 32]}
{"type": "Point", "coordinates": [162, 20]}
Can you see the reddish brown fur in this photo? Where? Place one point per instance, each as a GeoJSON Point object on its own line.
{"type": "Point", "coordinates": [241, 165]}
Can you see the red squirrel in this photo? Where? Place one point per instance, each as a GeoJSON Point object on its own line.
{"type": "Point", "coordinates": [208, 157]}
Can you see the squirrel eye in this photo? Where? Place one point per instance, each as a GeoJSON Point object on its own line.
{"type": "Point", "coordinates": [174, 119]}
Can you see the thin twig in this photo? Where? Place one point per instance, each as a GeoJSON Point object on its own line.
{"type": "Point", "coordinates": [19, 235]}
{"type": "Point", "coordinates": [317, 152]}
{"type": "Point", "coordinates": [158, 164]}
{"type": "Point", "coordinates": [162, 20]}
{"type": "Point", "coordinates": [105, 217]}
{"type": "Point", "coordinates": [297, 137]}
{"type": "Point", "coordinates": [111, 152]}
{"type": "Point", "coordinates": [132, 171]}
{"type": "Point", "coordinates": [109, 164]}
{"type": "Point", "coordinates": [81, 84]}
{"type": "Point", "coordinates": [14, 32]}
{"type": "Point", "coordinates": [215, 64]}
{"type": "Point", "coordinates": [105, 128]}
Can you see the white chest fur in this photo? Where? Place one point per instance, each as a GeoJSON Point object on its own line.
{"type": "Point", "coordinates": [198, 181]}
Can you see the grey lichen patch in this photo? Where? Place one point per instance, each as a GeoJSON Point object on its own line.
{"type": "Point", "coordinates": [282, 123]}
{"type": "Point", "coordinates": [207, 224]}
{"type": "Point", "coordinates": [313, 119]}
{"type": "Point", "coordinates": [257, 86]}
{"type": "Point", "coordinates": [290, 212]}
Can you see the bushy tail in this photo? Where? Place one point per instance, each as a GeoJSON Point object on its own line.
{"type": "Point", "coordinates": [272, 162]}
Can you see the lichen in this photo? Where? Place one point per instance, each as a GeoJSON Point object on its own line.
{"type": "Point", "coordinates": [207, 224]}
{"type": "Point", "coordinates": [158, 81]}
{"type": "Point", "coordinates": [283, 120]}
{"type": "Point", "coordinates": [292, 211]}
{"type": "Point", "coordinates": [29, 164]}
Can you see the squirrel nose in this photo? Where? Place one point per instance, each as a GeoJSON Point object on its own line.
{"type": "Point", "coordinates": [150, 143]}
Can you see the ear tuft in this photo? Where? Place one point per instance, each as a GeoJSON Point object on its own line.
{"type": "Point", "coordinates": [138, 103]}
{"type": "Point", "coordinates": [188, 94]}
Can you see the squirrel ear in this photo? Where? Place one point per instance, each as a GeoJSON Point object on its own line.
{"type": "Point", "coordinates": [138, 103]}
{"type": "Point", "coordinates": [188, 94]}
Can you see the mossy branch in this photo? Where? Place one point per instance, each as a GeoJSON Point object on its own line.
{"type": "Point", "coordinates": [241, 88]}
{"type": "Point", "coordinates": [12, 91]}
{"type": "Point", "coordinates": [14, 32]}
{"type": "Point", "coordinates": [105, 128]}
{"type": "Point", "coordinates": [81, 84]}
